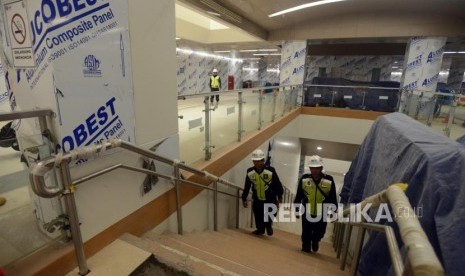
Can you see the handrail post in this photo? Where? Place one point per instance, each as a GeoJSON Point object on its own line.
{"type": "Point", "coordinates": [73, 218]}
{"type": "Point", "coordinates": [260, 107]}
{"type": "Point", "coordinates": [215, 206]}
{"type": "Point", "coordinates": [240, 126]}
{"type": "Point", "coordinates": [178, 197]}
{"type": "Point", "coordinates": [340, 241]}
{"type": "Point", "coordinates": [431, 110]}
{"type": "Point", "coordinates": [358, 249]}
{"type": "Point", "coordinates": [208, 153]}
{"type": "Point", "coordinates": [237, 207]}
{"type": "Point", "coordinates": [451, 118]}
{"type": "Point", "coordinates": [345, 244]}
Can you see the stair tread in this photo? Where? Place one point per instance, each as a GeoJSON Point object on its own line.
{"type": "Point", "coordinates": [281, 251]}
{"type": "Point", "coordinates": [176, 259]}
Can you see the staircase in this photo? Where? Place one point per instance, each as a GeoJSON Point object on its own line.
{"type": "Point", "coordinates": [232, 252]}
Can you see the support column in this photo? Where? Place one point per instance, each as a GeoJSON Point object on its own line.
{"type": "Point", "coordinates": [422, 64]}
{"type": "Point", "coordinates": [292, 69]}
{"type": "Point", "coordinates": [262, 66]}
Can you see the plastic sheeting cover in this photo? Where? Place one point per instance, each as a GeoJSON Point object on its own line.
{"type": "Point", "coordinates": [400, 149]}
{"type": "Point", "coordinates": [461, 140]}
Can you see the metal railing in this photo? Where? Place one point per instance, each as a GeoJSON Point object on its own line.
{"type": "Point", "coordinates": [429, 105]}
{"type": "Point", "coordinates": [62, 161]}
{"type": "Point", "coordinates": [289, 97]}
{"type": "Point", "coordinates": [420, 254]}
{"type": "Point", "coordinates": [40, 114]}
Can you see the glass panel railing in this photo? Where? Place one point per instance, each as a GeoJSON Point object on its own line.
{"type": "Point", "coordinates": [250, 111]}
{"type": "Point", "coordinates": [224, 121]}
{"type": "Point", "coordinates": [446, 114]}
{"type": "Point", "coordinates": [269, 107]}
{"type": "Point", "coordinates": [191, 123]}
{"type": "Point", "coordinates": [27, 222]}
{"type": "Point", "coordinates": [238, 113]}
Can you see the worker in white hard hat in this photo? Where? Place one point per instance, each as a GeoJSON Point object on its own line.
{"type": "Point", "coordinates": [314, 190]}
{"type": "Point", "coordinates": [215, 85]}
{"type": "Point", "coordinates": [266, 189]}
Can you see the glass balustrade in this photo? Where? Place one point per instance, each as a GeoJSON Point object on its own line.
{"type": "Point", "coordinates": [239, 112]}
{"type": "Point", "coordinates": [224, 121]}
{"type": "Point", "coordinates": [191, 124]}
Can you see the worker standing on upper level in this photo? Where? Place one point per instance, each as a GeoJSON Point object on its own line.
{"type": "Point", "coordinates": [266, 189]}
{"type": "Point", "coordinates": [314, 190]}
{"type": "Point", "coordinates": [215, 85]}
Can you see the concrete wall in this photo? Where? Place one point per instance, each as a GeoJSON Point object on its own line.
{"type": "Point", "coordinates": [105, 200]}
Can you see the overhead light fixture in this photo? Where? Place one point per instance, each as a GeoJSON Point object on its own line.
{"type": "Point", "coordinates": [304, 6]}
{"type": "Point", "coordinates": [319, 148]}
{"type": "Point", "coordinates": [177, 38]}
{"type": "Point", "coordinates": [214, 13]}
{"type": "Point", "coordinates": [266, 54]}
{"type": "Point", "coordinates": [258, 50]}
{"type": "Point", "coordinates": [225, 51]}
{"type": "Point", "coordinates": [204, 54]}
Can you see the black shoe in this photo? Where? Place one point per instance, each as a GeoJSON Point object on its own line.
{"type": "Point", "coordinates": [258, 232]}
{"type": "Point", "coordinates": [306, 250]}
{"type": "Point", "coordinates": [315, 246]}
{"type": "Point", "coordinates": [269, 231]}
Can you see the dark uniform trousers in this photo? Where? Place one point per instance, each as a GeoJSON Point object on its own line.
{"type": "Point", "coordinates": [258, 207]}
{"type": "Point", "coordinates": [312, 231]}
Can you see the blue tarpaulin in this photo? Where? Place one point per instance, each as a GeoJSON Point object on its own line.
{"type": "Point", "coordinates": [400, 149]}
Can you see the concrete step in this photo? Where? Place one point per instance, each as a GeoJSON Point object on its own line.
{"type": "Point", "coordinates": [263, 255]}
{"type": "Point", "coordinates": [180, 262]}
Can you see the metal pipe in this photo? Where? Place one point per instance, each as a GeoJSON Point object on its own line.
{"type": "Point", "coordinates": [396, 258]}
{"type": "Point", "coordinates": [208, 154]}
{"type": "Point", "coordinates": [429, 121]}
{"type": "Point", "coordinates": [350, 86]}
{"type": "Point", "coordinates": [70, 204]}
{"type": "Point", "coordinates": [14, 115]}
{"type": "Point", "coordinates": [346, 247]}
{"type": "Point", "coordinates": [238, 199]}
{"type": "Point", "coordinates": [215, 206]}
{"type": "Point", "coordinates": [240, 127]}
{"type": "Point", "coordinates": [340, 240]}
{"type": "Point", "coordinates": [451, 118]}
{"type": "Point", "coordinates": [260, 107]}
{"type": "Point", "coordinates": [178, 198]}
{"type": "Point", "coordinates": [358, 248]}
{"type": "Point", "coordinates": [119, 166]}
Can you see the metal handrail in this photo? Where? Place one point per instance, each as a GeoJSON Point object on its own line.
{"type": "Point", "coordinates": [351, 86]}
{"type": "Point", "coordinates": [204, 94]}
{"type": "Point", "coordinates": [40, 169]}
{"type": "Point", "coordinates": [14, 115]}
{"type": "Point", "coordinates": [37, 178]}
{"type": "Point", "coordinates": [421, 255]}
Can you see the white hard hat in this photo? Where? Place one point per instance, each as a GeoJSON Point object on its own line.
{"type": "Point", "coordinates": [215, 70]}
{"type": "Point", "coordinates": [315, 161]}
{"type": "Point", "coordinates": [257, 155]}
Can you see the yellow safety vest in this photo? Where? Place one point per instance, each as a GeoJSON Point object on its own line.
{"type": "Point", "coordinates": [261, 182]}
{"type": "Point", "coordinates": [314, 195]}
{"type": "Point", "coordinates": [215, 81]}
